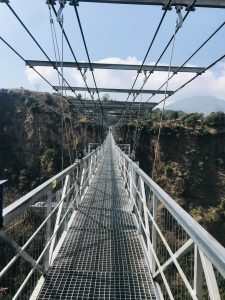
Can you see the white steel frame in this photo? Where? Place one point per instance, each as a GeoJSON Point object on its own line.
{"type": "Point", "coordinates": [75, 180]}
{"type": "Point", "coordinates": [209, 255]}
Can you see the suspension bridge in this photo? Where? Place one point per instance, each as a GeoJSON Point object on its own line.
{"type": "Point", "coordinates": [102, 228]}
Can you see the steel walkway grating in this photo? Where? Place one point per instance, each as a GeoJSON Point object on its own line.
{"type": "Point", "coordinates": [92, 218]}
{"type": "Point", "coordinates": [101, 257]}
{"type": "Point", "coordinates": [102, 251]}
{"type": "Point", "coordinates": [80, 285]}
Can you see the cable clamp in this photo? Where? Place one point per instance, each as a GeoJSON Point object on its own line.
{"type": "Point", "coordinates": [167, 6]}
{"type": "Point", "coordinates": [51, 2]}
{"type": "Point", "coordinates": [179, 22]}
{"type": "Point", "coordinates": [74, 3]}
{"type": "Point", "coordinates": [190, 7]}
{"type": "Point", "coordinates": [146, 77]}
{"type": "Point", "coordinates": [84, 73]}
{"type": "Point", "coordinates": [59, 14]}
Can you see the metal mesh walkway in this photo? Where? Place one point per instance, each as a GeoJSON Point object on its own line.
{"type": "Point", "coordinates": [101, 257]}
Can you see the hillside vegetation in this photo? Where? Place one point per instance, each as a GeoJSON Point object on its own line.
{"type": "Point", "coordinates": [30, 134]}
{"type": "Point", "coordinates": [190, 164]}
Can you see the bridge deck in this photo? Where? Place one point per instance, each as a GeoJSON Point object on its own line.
{"type": "Point", "coordinates": [101, 257]}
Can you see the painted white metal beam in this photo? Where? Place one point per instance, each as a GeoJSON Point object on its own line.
{"type": "Point", "coordinates": [186, 3]}
{"type": "Point", "coordinates": [110, 90]}
{"type": "Point", "coordinates": [124, 67]}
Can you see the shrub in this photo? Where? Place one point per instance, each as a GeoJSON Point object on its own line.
{"type": "Point", "coordinates": [193, 119]}
{"type": "Point", "coordinates": [215, 119]}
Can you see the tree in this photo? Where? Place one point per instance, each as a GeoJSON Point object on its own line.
{"type": "Point", "coordinates": [106, 97]}
{"type": "Point", "coordinates": [216, 119]}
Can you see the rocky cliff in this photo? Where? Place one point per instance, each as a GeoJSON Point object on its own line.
{"type": "Point", "coordinates": [190, 166]}
{"type": "Point", "coordinates": [30, 139]}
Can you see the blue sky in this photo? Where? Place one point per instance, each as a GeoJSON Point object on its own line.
{"type": "Point", "coordinates": [114, 33]}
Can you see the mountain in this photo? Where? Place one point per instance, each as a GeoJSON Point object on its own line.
{"type": "Point", "coordinates": [200, 104]}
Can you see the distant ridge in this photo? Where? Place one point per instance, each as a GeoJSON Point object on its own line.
{"type": "Point", "coordinates": [199, 104]}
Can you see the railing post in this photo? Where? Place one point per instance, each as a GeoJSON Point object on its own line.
{"type": "Point", "coordinates": [154, 232]}
{"type": "Point", "coordinates": [198, 273]}
{"type": "Point", "coordinates": [67, 202]}
{"type": "Point", "coordinates": [140, 206]}
{"type": "Point", "coordinates": [124, 169]}
{"type": "Point", "coordinates": [129, 184]}
{"type": "Point", "coordinates": [144, 202]}
{"type": "Point", "coordinates": [58, 217]}
{"type": "Point", "coordinates": [90, 160]}
{"type": "Point", "coordinates": [133, 193]}
{"type": "Point", "coordinates": [210, 278]}
{"type": "Point", "coordinates": [82, 181]}
{"type": "Point", "coordinates": [48, 228]}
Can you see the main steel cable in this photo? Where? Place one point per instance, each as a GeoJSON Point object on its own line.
{"type": "Point", "coordinates": [55, 45]}
{"type": "Point", "coordinates": [74, 57]}
{"type": "Point", "coordinates": [39, 46]}
{"type": "Point", "coordinates": [163, 109]}
{"type": "Point", "coordinates": [37, 72]}
{"type": "Point", "coordinates": [54, 40]}
{"type": "Point", "coordinates": [188, 59]}
{"type": "Point", "coordinates": [135, 134]}
{"type": "Point", "coordinates": [186, 83]}
{"type": "Point", "coordinates": [149, 48]}
{"type": "Point", "coordinates": [162, 54]}
{"type": "Point", "coordinates": [90, 65]}
{"type": "Point", "coordinates": [165, 49]}
{"type": "Point", "coordinates": [193, 78]}
{"type": "Point", "coordinates": [56, 51]}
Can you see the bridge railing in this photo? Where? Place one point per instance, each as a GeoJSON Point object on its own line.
{"type": "Point", "coordinates": [36, 224]}
{"type": "Point", "coordinates": [185, 260]}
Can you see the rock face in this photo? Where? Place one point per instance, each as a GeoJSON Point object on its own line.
{"type": "Point", "coordinates": [30, 139]}
{"type": "Point", "coordinates": [190, 166]}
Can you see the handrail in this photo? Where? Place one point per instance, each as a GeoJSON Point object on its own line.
{"type": "Point", "coordinates": [43, 224]}
{"type": "Point", "coordinates": [206, 242]}
{"type": "Point", "coordinates": [16, 208]}
{"type": "Point", "coordinates": [169, 235]}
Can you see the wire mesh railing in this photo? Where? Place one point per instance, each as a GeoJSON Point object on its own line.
{"type": "Point", "coordinates": [36, 225]}
{"type": "Point", "coordinates": [185, 260]}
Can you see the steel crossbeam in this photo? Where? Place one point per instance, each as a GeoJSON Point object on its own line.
{"type": "Point", "coordinates": [109, 66]}
{"type": "Point", "coordinates": [186, 3]}
{"type": "Point", "coordinates": [164, 3]}
{"type": "Point", "coordinates": [111, 90]}
{"type": "Point", "coordinates": [115, 105]}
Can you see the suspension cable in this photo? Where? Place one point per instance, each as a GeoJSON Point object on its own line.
{"type": "Point", "coordinates": [166, 8]}
{"type": "Point", "coordinates": [163, 109]}
{"type": "Point", "coordinates": [163, 52]}
{"type": "Point", "coordinates": [149, 48]}
{"type": "Point", "coordinates": [87, 53]}
{"type": "Point", "coordinates": [189, 58]}
{"type": "Point", "coordinates": [74, 57]}
{"type": "Point", "coordinates": [135, 133]}
{"type": "Point", "coordinates": [193, 78]}
{"type": "Point", "coordinates": [37, 72]}
{"type": "Point", "coordinates": [39, 46]}
{"type": "Point", "coordinates": [57, 58]}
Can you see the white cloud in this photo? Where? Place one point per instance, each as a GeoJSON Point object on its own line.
{"type": "Point", "coordinates": [210, 83]}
